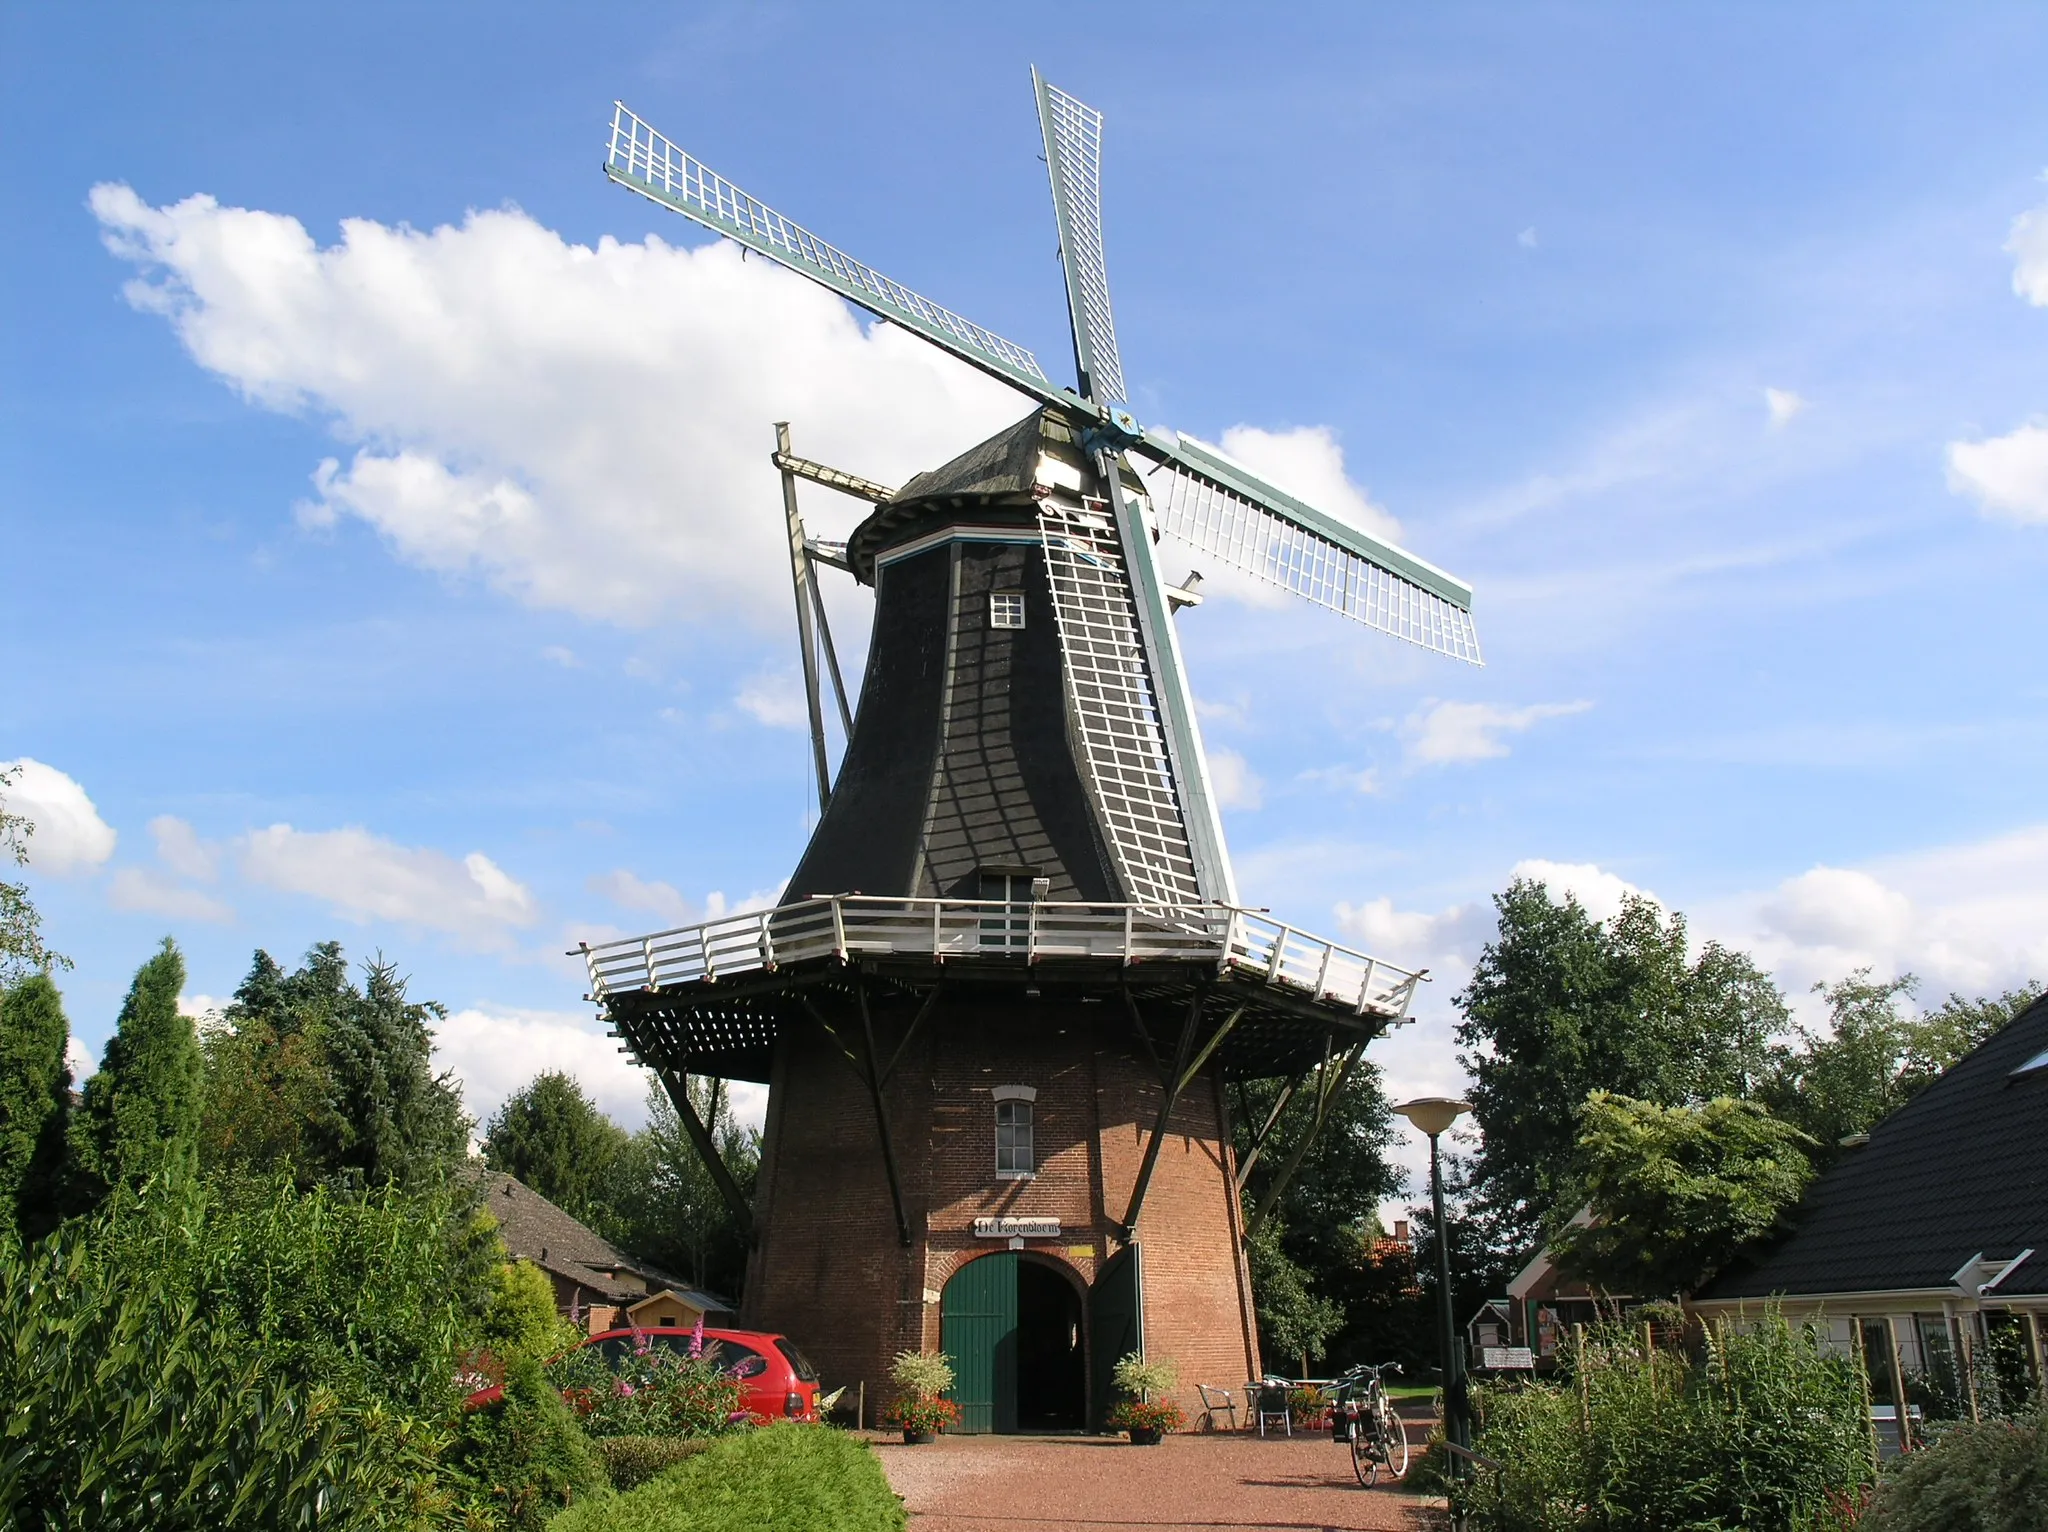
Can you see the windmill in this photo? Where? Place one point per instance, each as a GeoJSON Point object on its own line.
{"type": "Point", "coordinates": [1010, 980]}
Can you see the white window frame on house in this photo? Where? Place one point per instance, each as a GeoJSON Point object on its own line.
{"type": "Point", "coordinates": [1016, 1146]}
{"type": "Point", "coordinates": [1006, 609]}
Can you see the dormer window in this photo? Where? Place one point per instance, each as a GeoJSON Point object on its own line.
{"type": "Point", "coordinates": [2038, 1061]}
{"type": "Point", "coordinates": [1015, 1153]}
{"type": "Point", "coordinates": [1006, 609]}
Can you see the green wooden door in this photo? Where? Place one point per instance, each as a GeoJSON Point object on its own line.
{"type": "Point", "coordinates": [1116, 1327]}
{"type": "Point", "coordinates": [978, 1330]}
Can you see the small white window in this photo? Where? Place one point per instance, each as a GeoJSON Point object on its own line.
{"type": "Point", "coordinates": [1015, 1160]}
{"type": "Point", "coordinates": [1006, 609]}
{"type": "Point", "coordinates": [2038, 1061]}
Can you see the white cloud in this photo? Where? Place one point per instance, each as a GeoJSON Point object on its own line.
{"type": "Point", "coordinates": [586, 428]}
{"type": "Point", "coordinates": [363, 877]}
{"type": "Point", "coordinates": [1237, 785]}
{"type": "Point", "coordinates": [774, 699]}
{"type": "Point", "coordinates": [179, 848]}
{"type": "Point", "coordinates": [630, 892]}
{"type": "Point", "coordinates": [80, 1060]}
{"type": "Point", "coordinates": [70, 836]}
{"type": "Point", "coordinates": [562, 656]}
{"type": "Point", "coordinates": [1783, 405]}
{"type": "Point", "coordinates": [2028, 246]}
{"type": "Point", "coordinates": [1358, 779]}
{"type": "Point", "coordinates": [147, 891]}
{"type": "Point", "coordinates": [1308, 463]}
{"type": "Point", "coordinates": [1441, 733]}
{"type": "Point", "coordinates": [1598, 891]}
{"type": "Point", "coordinates": [201, 1007]}
{"type": "Point", "coordinates": [1971, 917]}
{"type": "Point", "coordinates": [1527, 238]}
{"type": "Point", "coordinates": [2008, 475]}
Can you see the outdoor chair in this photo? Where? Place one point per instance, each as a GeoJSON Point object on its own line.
{"type": "Point", "coordinates": [1216, 1401]}
{"type": "Point", "coordinates": [1270, 1403]}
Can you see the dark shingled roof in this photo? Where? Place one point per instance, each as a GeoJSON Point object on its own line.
{"type": "Point", "coordinates": [1959, 1171]}
{"type": "Point", "coordinates": [534, 1229]}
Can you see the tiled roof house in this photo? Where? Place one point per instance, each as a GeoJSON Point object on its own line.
{"type": "Point", "coordinates": [1932, 1233]}
{"type": "Point", "coordinates": [592, 1277]}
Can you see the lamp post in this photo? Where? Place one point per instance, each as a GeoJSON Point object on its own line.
{"type": "Point", "coordinates": [1434, 1115]}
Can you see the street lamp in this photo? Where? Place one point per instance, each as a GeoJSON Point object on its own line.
{"type": "Point", "coordinates": [1434, 1115]}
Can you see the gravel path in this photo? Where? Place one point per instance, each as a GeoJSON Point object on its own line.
{"type": "Point", "coordinates": [1219, 1483]}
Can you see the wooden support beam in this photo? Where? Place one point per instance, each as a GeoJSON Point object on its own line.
{"type": "Point", "coordinates": [869, 1070]}
{"type": "Point", "coordinates": [1185, 1069]}
{"type": "Point", "coordinates": [678, 1088]}
{"type": "Point", "coordinates": [931, 999]}
{"type": "Point", "coordinates": [1244, 1170]}
{"type": "Point", "coordinates": [831, 654]}
{"type": "Point", "coordinates": [1328, 1088]}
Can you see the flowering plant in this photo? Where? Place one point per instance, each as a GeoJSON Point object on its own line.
{"type": "Point", "coordinates": [924, 1416]}
{"type": "Point", "coordinates": [1161, 1415]}
{"type": "Point", "coordinates": [651, 1391]}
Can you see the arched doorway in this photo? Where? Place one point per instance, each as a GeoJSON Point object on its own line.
{"type": "Point", "coordinates": [1015, 1330]}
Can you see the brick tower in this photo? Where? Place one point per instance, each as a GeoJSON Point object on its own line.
{"type": "Point", "coordinates": [1009, 979]}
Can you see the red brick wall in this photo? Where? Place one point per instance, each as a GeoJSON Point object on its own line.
{"type": "Point", "coordinates": [829, 1269]}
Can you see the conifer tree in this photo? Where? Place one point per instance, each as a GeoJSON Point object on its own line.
{"type": "Point", "coordinates": [35, 1101]}
{"type": "Point", "coordinates": [144, 1102]}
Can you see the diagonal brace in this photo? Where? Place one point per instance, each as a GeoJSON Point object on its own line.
{"type": "Point", "coordinates": [1251, 1158]}
{"type": "Point", "coordinates": [870, 1073]}
{"type": "Point", "coordinates": [1185, 1071]}
{"type": "Point", "coordinates": [678, 1088]}
{"type": "Point", "coordinates": [1329, 1086]}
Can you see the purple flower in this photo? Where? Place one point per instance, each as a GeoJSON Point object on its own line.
{"type": "Point", "coordinates": [625, 1389]}
{"type": "Point", "coordinates": [697, 1339]}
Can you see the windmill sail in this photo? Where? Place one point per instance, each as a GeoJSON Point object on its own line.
{"type": "Point", "coordinates": [1222, 508]}
{"type": "Point", "coordinates": [641, 160]}
{"type": "Point", "coordinates": [1073, 159]}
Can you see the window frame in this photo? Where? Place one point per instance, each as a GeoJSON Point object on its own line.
{"type": "Point", "coordinates": [1019, 1104]}
{"type": "Point", "coordinates": [1002, 605]}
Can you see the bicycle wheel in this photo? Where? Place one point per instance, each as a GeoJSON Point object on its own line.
{"type": "Point", "coordinates": [1363, 1462]}
{"type": "Point", "coordinates": [1396, 1435]}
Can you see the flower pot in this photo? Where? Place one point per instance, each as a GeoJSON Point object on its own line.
{"type": "Point", "coordinates": [916, 1438]}
{"type": "Point", "coordinates": [1146, 1436]}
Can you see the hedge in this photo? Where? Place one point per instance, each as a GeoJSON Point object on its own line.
{"type": "Point", "coordinates": [785, 1478]}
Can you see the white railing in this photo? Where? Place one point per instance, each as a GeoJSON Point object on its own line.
{"type": "Point", "coordinates": [847, 926]}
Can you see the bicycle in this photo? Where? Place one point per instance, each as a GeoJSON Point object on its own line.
{"type": "Point", "coordinates": [1363, 1415]}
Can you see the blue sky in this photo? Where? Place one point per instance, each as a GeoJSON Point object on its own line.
{"type": "Point", "coordinates": [390, 559]}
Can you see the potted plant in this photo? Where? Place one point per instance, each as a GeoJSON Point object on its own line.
{"type": "Point", "coordinates": [921, 1409]}
{"type": "Point", "coordinates": [1146, 1419]}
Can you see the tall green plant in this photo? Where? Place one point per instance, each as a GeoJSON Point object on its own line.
{"type": "Point", "coordinates": [22, 949]}
{"type": "Point", "coordinates": [1760, 1430]}
{"type": "Point", "coordinates": [141, 1110]}
{"type": "Point", "coordinates": [35, 1089]}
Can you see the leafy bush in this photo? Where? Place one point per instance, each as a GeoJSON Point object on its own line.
{"type": "Point", "coordinates": [630, 1461]}
{"type": "Point", "coordinates": [522, 1319]}
{"type": "Point", "coordinates": [1974, 1478]}
{"type": "Point", "coordinates": [1141, 1378]}
{"type": "Point", "coordinates": [1757, 1432]}
{"type": "Point", "coordinates": [523, 1458]}
{"type": "Point", "coordinates": [651, 1391]}
{"type": "Point", "coordinates": [784, 1478]}
{"type": "Point", "coordinates": [125, 1391]}
{"type": "Point", "coordinates": [922, 1374]}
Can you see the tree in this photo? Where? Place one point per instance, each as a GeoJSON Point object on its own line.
{"type": "Point", "coordinates": [1676, 1191]}
{"type": "Point", "coordinates": [143, 1105]}
{"type": "Point", "coordinates": [35, 1103]}
{"type": "Point", "coordinates": [554, 1138]}
{"type": "Point", "coordinates": [1295, 1322]}
{"type": "Point", "coordinates": [310, 1074]}
{"type": "Point", "coordinates": [1942, 1036]}
{"type": "Point", "coordinates": [22, 950]}
{"type": "Point", "coordinates": [522, 1319]}
{"type": "Point", "coordinates": [669, 1208]}
{"type": "Point", "coordinates": [1561, 1005]}
{"type": "Point", "coordinates": [1842, 1081]}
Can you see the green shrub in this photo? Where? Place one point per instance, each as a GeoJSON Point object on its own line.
{"type": "Point", "coordinates": [784, 1478]}
{"type": "Point", "coordinates": [630, 1461]}
{"type": "Point", "coordinates": [522, 1319]}
{"type": "Point", "coordinates": [126, 1395]}
{"type": "Point", "coordinates": [1974, 1478]}
{"type": "Point", "coordinates": [523, 1458]}
{"type": "Point", "coordinates": [1760, 1431]}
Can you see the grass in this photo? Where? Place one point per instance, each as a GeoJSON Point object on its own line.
{"type": "Point", "coordinates": [785, 1478]}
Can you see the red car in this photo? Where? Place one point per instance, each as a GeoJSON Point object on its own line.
{"type": "Point", "coordinates": [777, 1381]}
